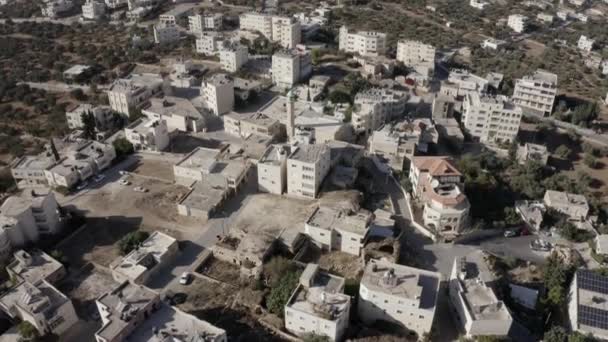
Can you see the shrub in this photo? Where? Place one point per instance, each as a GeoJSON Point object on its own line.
{"type": "Point", "coordinates": [131, 241]}
{"type": "Point", "coordinates": [279, 295]}
{"type": "Point", "coordinates": [123, 147]}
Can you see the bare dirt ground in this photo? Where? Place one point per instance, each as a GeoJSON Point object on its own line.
{"type": "Point", "coordinates": [221, 270]}
{"type": "Point", "coordinates": [160, 167]}
{"type": "Point", "coordinates": [533, 48]}
{"type": "Point", "coordinates": [343, 264]}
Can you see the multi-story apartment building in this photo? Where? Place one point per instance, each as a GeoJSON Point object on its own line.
{"type": "Point", "coordinates": [399, 294]}
{"type": "Point", "coordinates": [25, 218]}
{"type": "Point", "coordinates": [272, 169]}
{"type": "Point", "coordinates": [233, 57]}
{"type": "Point", "coordinates": [587, 304]}
{"type": "Point", "coordinates": [332, 229]}
{"type": "Point", "coordinates": [416, 54]}
{"type": "Point", "coordinates": [93, 9]}
{"type": "Point", "coordinates": [218, 93]}
{"type": "Point", "coordinates": [166, 33]}
{"type": "Point", "coordinates": [115, 4]}
{"type": "Point", "coordinates": [286, 31]}
{"type": "Point", "coordinates": [131, 312]}
{"type": "Point", "coordinates": [290, 67]}
{"type": "Point", "coordinates": [56, 8]}
{"type": "Point", "coordinates": [148, 134]}
{"type": "Point", "coordinates": [491, 119]}
{"type": "Point", "coordinates": [179, 113]}
{"type": "Point", "coordinates": [176, 13]}
{"type": "Point", "coordinates": [473, 302]}
{"type": "Point", "coordinates": [439, 187]}
{"type": "Point", "coordinates": [199, 23]}
{"type": "Point", "coordinates": [40, 304]}
{"type": "Point", "coordinates": [259, 22]}
{"type": "Point", "coordinates": [376, 106]}
{"type": "Point", "coordinates": [395, 147]}
{"type": "Point", "coordinates": [244, 125]}
{"type": "Point", "coordinates": [307, 167]}
{"type": "Point", "coordinates": [209, 43]}
{"type": "Point", "coordinates": [517, 22]}
{"type": "Point", "coordinates": [134, 91]}
{"type": "Point", "coordinates": [585, 44]}
{"type": "Point", "coordinates": [365, 43]}
{"type": "Point", "coordinates": [151, 255]}
{"type": "Point", "coordinates": [103, 116]}
{"type": "Point", "coordinates": [536, 93]}
{"type": "Point", "coordinates": [466, 82]}
{"type": "Point", "coordinates": [318, 305]}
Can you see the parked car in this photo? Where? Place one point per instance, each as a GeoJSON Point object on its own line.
{"type": "Point", "coordinates": [124, 182]}
{"type": "Point", "coordinates": [511, 233]}
{"type": "Point", "coordinates": [140, 189]}
{"type": "Point", "coordinates": [185, 278]}
{"type": "Point", "coordinates": [540, 245]}
{"type": "Point", "coordinates": [82, 185]}
{"type": "Point", "coordinates": [98, 178]}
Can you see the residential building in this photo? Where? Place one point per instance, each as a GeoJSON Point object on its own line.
{"type": "Point", "coordinates": [587, 303]}
{"type": "Point", "coordinates": [494, 79]}
{"type": "Point", "coordinates": [439, 187]}
{"type": "Point", "coordinates": [466, 82]}
{"type": "Point", "coordinates": [244, 125]}
{"type": "Point", "coordinates": [442, 107]}
{"type": "Point", "coordinates": [217, 92]}
{"type": "Point", "coordinates": [93, 9]}
{"type": "Point", "coordinates": [491, 119]}
{"type": "Point", "coordinates": [601, 244]}
{"type": "Point", "coordinates": [157, 251]}
{"type": "Point", "coordinates": [517, 22]}
{"type": "Point", "coordinates": [376, 106]}
{"type": "Point", "coordinates": [34, 267]}
{"type": "Point", "coordinates": [479, 4]}
{"type": "Point", "coordinates": [134, 91]}
{"type": "Point", "coordinates": [536, 93]}
{"type": "Point", "coordinates": [134, 312]}
{"type": "Point", "coordinates": [286, 31]}
{"type": "Point", "coordinates": [233, 57]}
{"type": "Point", "coordinates": [307, 166]}
{"type": "Point", "coordinates": [593, 60]}
{"type": "Point", "coordinates": [24, 219]}
{"type": "Point", "coordinates": [290, 67]}
{"type": "Point", "coordinates": [531, 212]}
{"type": "Point", "coordinates": [179, 113]}
{"type": "Point", "coordinates": [115, 4]}
{"type": "Point", "coordinates": [28, 171]}
{"type": "Point", "coordinates": [533, 152]}
{"type": "Point", "coordinates": [148, 134]}
{"type": "Point", "coordinates": [259, 22]}
{"type": "Point", "coordinates": [77, 73]}
{"type": "Point", "coordinates": [78, 161]}
{"type": "Point", "coordinates": [585, 44]}
{"type": "Point", "coordinates": [339, 230]}
{"type": "Point", "coordinates": [396, 147]}
{"type": "Point", "coordinates": [199, 23]}
{"type": "Point", "coordinates": [545, 17]}
{"type": "Point", "coordinates": [272, 169]}
{"type": "Point", "coordinates": [416, 54]}
{"type": "Point", "coordinates": [56, 8]}
{"type": "Point", "coordinates": [318, 305]}
{"type": "Point", "coordinates": [365, 43]}
{"type": "Point", "coordinates": [173, 16]}
{"type": "Point", "coordinates": [574, 206]}
{"type": "Point", "coordinates": [399, 294]}
{"type": "Point", "coordinates": [103, 115]}
{"type": "Point", "coordinates": [43, 306]}
{"type": "Point", "coordinates": [209, 43]}
{"type": "Point", "coordinates": [166, 33]}
{"type": "Point", "coordinates": [492, 43]}
{"type": "Point", "coordinates": [473, 302]}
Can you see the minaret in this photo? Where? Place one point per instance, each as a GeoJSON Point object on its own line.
{"type": "Point", "coordinates": [291, 117]}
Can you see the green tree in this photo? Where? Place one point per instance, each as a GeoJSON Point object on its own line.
{"type": "Point", "coordinates": [123, 147]}
{"type": "Point", "coordinates": [89, 124]}
{"type": "Point", "coordinates": [279, 295]}
{"type": "Point", "coordinates": [590, 160]}
{"type": "Point", "coordinates": [339, 96]}
{"type": "Point", "coordinates": [131, 241]}
{"type": "Point", "coordinates": [28, 332]}
{"type": "Point", "coordinates": [562, 152]}
{"type": "Point", "coordinates": [555, 275]}
{"type": "Point", "coordinates": [78, 94]}
{"type": "Point", "coordinates": [556, 334]}
{"type": "Point", "coordinates": [312, 337]}
{"type": "Point", "coordinates": [276, 268]}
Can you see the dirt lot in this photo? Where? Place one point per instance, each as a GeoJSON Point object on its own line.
{"type": "Point", "coordinates": [160, 167]}
{"type": "Point", "coordinates": [221, 270]}
{"type": "Point", "coordinates": [343, 264]}
{"type": "Point", "coordinates": [214, 303]}
{"type": "Point", "coordinates": [85, 286]}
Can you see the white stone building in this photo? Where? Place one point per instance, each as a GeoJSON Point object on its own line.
{"type": "Point", "coordinates": [365, 43]}
{"type": "Point", "coordinates": [103, 116]}
{"type": "Point", "coordinates": [466, 82]}
{"type": "Point", "coordinates": [134, 91]}
{"type": "Point", "coordinates": [272, 169]}
{"type": "Point", "coordinates": [140, 264]}
{"type": "Point", "coordinates": [587, 304]}
{"type": "Point", "coordinates": [93, 9]}
{"type": "Point", "coordinates": [247, 124]}
{"type": "Point", "coordinates": [517, 22]}
{"type": "Point", "coordinates": [332, 229]}
{"type": "Point", "coordinates": [396, 147]}
{"type": "Point", "coordinates": [399, 294]}
{"type": "Point", "coordinates": [35, 266]}
{"type": "Point", "coordinates": [376, 106]}
{"type": "Point", "coordinates": [585, 44]}
{"type": "Point", "coordinates": [179, 113]}
{"type": "Point", "coordinates": [536, 93]}
{"type": "Point", "coordinates": [492, 43]}
{"type": "Point", "coordinates": [199, 23]}
{"type": "Point", "coordinates": [416, 54]}
{"type": "Point", "coordinates": [491, 119]}
{"type": "Point", "coordinates": [438, 185]}
{"type": "Point", "coordinates": [217, 92]}
{"type": "Point", "coordinates": [209, 43]}
{"type": "Point", "coordinates": [290, 67]}
{"type": "Point", "coordinates": [307, 167]}
{"type": "Point", "coordinates": [166, 33]}
{"type": "Point", "coordinates": [574, 206]}
{"type": "Point", "coordinates": [318, 305]}
{"type": "Point", "coordinates": [259, 22]}
{"type": "Point", "coordinates": [479, 4]}
{"type": "Point", "coordinates": [533, 152]}
{"type": "Point", "coordinates": [56, 8]}
{"type": "Point", "coordinates": [115, 4]}
{"type": "Point", "coordinates": [233, 57]}
{"type": "Point", "coordinates": [474, 304]}
{"type": "Point", "coordinates": [148, 134]}
{"type": "Point", "coordinates": [286, 31]}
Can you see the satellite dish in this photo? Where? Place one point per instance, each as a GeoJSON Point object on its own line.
{"type": "Point", "coordinates": [434, 183]}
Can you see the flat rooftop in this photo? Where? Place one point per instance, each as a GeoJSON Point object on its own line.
{"type": "Point", "coordinates": [178, 10]}
{"type": "Point", "coordinates": [146, 256]}
{"type": "Point", "coordinates": [142, 125]}
{"type": "Point", "coordinates": [328, 219]}
{"type": "Point", "coordinates": [15, 205]}
{"type": "Point", "coordinates": [274, 154]}
{"type": "Point", "coordinates": [135, 83]}
{"type": "Point", "coordinates": [218, 80]}
{"type": "Point", "coordinates": [38, 162]}
{"type": "Point", "coordinates": [308, 153]}
{"type": "Point", "coordinates": [76, 69]}
{"type": "Point", "coordinates": [206, 194]}
{"type": "Point", "coordinates": [201, 158]}
{"type": "Point", "coordinates": [171, 105]}
{"type": "Point", "coordinates": [403, 281]}
{"type": "Point", "coordinates": [34, 266]}
{"type": "Point", "coordinates": [36, 298]}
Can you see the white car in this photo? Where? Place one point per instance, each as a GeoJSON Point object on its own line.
{"type": "Point", "coordinates": [124, 182]}
{"type": "Point", "coordinates": [82, 185]}
{"type": "Point", "coordinates": [185, 278]}
{"type": "Point", "coordinates": [140, 189]}
{"type": "Point", "coordinates": [98, 178]}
